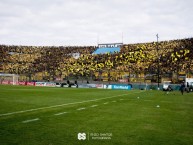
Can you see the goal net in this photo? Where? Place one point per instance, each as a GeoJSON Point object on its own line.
{"type": "Point", "coordinates": [9, 79]}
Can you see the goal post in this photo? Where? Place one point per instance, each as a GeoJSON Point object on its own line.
{"type": "Point", "coordinates": [11, 79]}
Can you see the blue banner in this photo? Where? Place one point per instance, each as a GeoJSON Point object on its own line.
{"type": "Point", "coordinates": [121, 87]}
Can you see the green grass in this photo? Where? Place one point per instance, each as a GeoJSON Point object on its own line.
{"type": "Point", "coordinates": [131, 121]}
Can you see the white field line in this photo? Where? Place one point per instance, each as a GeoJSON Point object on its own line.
{"type": "Point", "coordinates": [60, 105]}
{"type": "Point", "coordinates": [61, 113]}
{"type": "Point", "coordinates": [31, 120]}
{"type": "Point", "coordinates": [174, 103]}
{"type": "Point", "coordinates": [94, 106]}
{"type": "Point", "coordinates": [80, 109]}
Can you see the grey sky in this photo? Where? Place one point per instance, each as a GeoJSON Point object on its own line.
{"type": "Point", "coordinates": [84, 22]}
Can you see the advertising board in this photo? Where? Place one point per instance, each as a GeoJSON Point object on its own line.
{"type": "Point", "coordinates": [121, 87]}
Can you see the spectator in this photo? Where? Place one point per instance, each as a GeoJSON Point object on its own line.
{"type": "Point", "coordinates": [182, 88]}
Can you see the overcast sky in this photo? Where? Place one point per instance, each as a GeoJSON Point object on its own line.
{"type": "Point", "coordinates": [88, 22]}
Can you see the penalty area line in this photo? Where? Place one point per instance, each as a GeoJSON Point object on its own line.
{"type": "Point", "coordinates": [60, 105]}
{"type": "Point", "coordinates": [80, 109]}
{"type": "Point", "coordinates": [31, 120]}
{"type": "Point", "coordinates": [61, 113]}
{"type": "Point", "coordinates": [94, 106]}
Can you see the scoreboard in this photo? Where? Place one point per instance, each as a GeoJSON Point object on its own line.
{"type": "Point", "coordinates": [110, 45]}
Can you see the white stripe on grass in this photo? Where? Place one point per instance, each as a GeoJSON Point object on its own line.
{"type": "Point", "coordinates": [31, 120]}
{"type": "Point", "coordinates": [60, 105]}
{"type": "Point", "coordinates": [94, 106]}
{"type": "Point", "coordinates": [61, 113]}
{"type": "Point", "coordinates": [80, 109]}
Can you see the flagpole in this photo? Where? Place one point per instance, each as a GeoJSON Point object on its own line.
{"type": "Point", "coordinates": [158, 61]}
{"type": "Point", "coordinates": [122, 37]}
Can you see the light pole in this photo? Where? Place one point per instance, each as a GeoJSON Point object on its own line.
{"type": "Point", "coordinates": [158, 61]}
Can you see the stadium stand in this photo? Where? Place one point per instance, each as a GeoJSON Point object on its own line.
{"type": "Point", "coordinates": [133, 62]}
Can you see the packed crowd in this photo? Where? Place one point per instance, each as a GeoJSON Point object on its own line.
{"type": "Point", "coordinates": [137, 59]}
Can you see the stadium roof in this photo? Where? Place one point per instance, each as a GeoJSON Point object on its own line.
{"type": "Point", "coordinates": [104, 50]}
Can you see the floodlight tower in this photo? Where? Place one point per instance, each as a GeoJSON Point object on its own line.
{"type": "Point", "coordinates": [158, 61]}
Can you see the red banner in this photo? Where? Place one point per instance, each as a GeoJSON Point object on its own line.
{"type": "Point", "coordinates": [5, 82]}
{"type": "Point", "coordinates": [30, 83]}
{"type": "Point", "coordinates": [22, 83]}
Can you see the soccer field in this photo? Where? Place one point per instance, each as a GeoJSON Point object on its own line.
{"type": "Point", "coordinates": [70, 116]}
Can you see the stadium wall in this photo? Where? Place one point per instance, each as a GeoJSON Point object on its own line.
{"type": "Point", "coordinates": [135, 86]}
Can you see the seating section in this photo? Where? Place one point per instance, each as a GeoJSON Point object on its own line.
{"type": "Point", "coordinates": [137, 60]}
